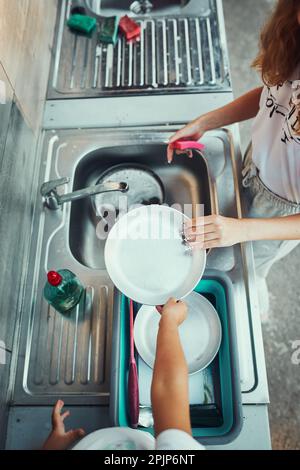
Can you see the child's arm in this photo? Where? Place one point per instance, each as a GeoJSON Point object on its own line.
{"type": "Point", "coordinates": [169, 391]}
{"type": "Point", "coordinates": [241, 109]}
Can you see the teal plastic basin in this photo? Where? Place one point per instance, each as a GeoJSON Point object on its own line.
{"type": "Point", "coordinates": [230, 396]}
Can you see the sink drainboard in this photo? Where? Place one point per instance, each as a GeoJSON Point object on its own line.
{"type": "Point", "coordinates": [70, 352]}
{"type": "Point", "coordinates": [177, 53]}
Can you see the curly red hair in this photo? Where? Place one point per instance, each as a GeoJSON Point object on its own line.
{"type": "Point", "coordinates": [279, 53]}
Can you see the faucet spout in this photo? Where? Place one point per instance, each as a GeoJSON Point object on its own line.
{"type": "Point", "coordinates": [92, 190]}
{"type": "Point", "coordinates": [53, 200]}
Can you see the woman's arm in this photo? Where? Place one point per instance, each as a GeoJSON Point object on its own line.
{"type": "Point", "coordinates": [169, 390]}
{"type": "Point", "coordinates": [277, 228]}
{"type": "Point", "coordinates": [241, 109]}
{"type": "Point", "coordinates": [216, 231]}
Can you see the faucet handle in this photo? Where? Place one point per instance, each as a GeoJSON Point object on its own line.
{"type": "Point", "coordinates": [50, 186]}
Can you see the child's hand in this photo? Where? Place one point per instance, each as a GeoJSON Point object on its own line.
{"type": "Point", "coordinates": [59, 439]}
{"type": "Point", "coordinates": [174, 310]}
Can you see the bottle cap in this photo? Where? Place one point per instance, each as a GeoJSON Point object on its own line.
{"type": "Point", "coordinates": [54, 278]}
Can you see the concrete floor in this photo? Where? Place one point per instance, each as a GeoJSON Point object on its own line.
{"type": "Point", "coordinates": [282, 328]}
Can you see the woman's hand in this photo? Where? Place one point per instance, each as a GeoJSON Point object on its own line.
{"type": "Point", "coordinates": [59, 438]}
{"type": "Point", "coordinates": [241, 109]}
{"type": "Point", "coordinates": [192, 131]}
{"type": "Point", "coordinates": [174, 310]}
{"type": "Point", "coordinates": [214, 231]}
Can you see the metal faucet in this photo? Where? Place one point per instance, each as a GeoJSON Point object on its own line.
{"type": "Point", "coordinates": [141, 7]}
{"type": "Point", "coordinates": [54, 201]}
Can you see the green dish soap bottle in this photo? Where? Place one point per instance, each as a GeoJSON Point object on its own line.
{"type": "Point", "coordinates": [63, 290]}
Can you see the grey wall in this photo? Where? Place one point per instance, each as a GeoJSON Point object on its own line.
{"type": "Point", "coordinates": [26, 33]}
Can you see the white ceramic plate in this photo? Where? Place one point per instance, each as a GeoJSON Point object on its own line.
{"type": "Point", "coordinates": [146, 258]}
{"type": "Point", "coordinates": [116, 439]}
{"type": "Point", "coordinates": [200, 333]}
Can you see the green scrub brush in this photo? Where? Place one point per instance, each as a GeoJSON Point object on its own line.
{"type": "Point", "coordinates": [108, 32]}
{"type": "Point", "coordinates": [82, 24]}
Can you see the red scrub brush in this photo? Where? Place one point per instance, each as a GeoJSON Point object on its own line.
{"type": "Point", "coordinates": [129, 28]}
{"type": "Point", "coordinates": [133, 381]}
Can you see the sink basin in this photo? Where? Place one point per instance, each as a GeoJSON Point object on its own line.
{"type": "Point", "coordinates": [186, 183]}
{"type": "Point", "coordinates": [141, 8]}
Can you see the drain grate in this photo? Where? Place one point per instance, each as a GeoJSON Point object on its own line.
{"type": "Point", "coordinates": [172, 54]}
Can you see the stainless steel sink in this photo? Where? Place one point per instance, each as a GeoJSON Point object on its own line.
{"type": "Point", "coordinates": [186, 183]}
{"type": "Point", "coordinates": [70, 356]}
